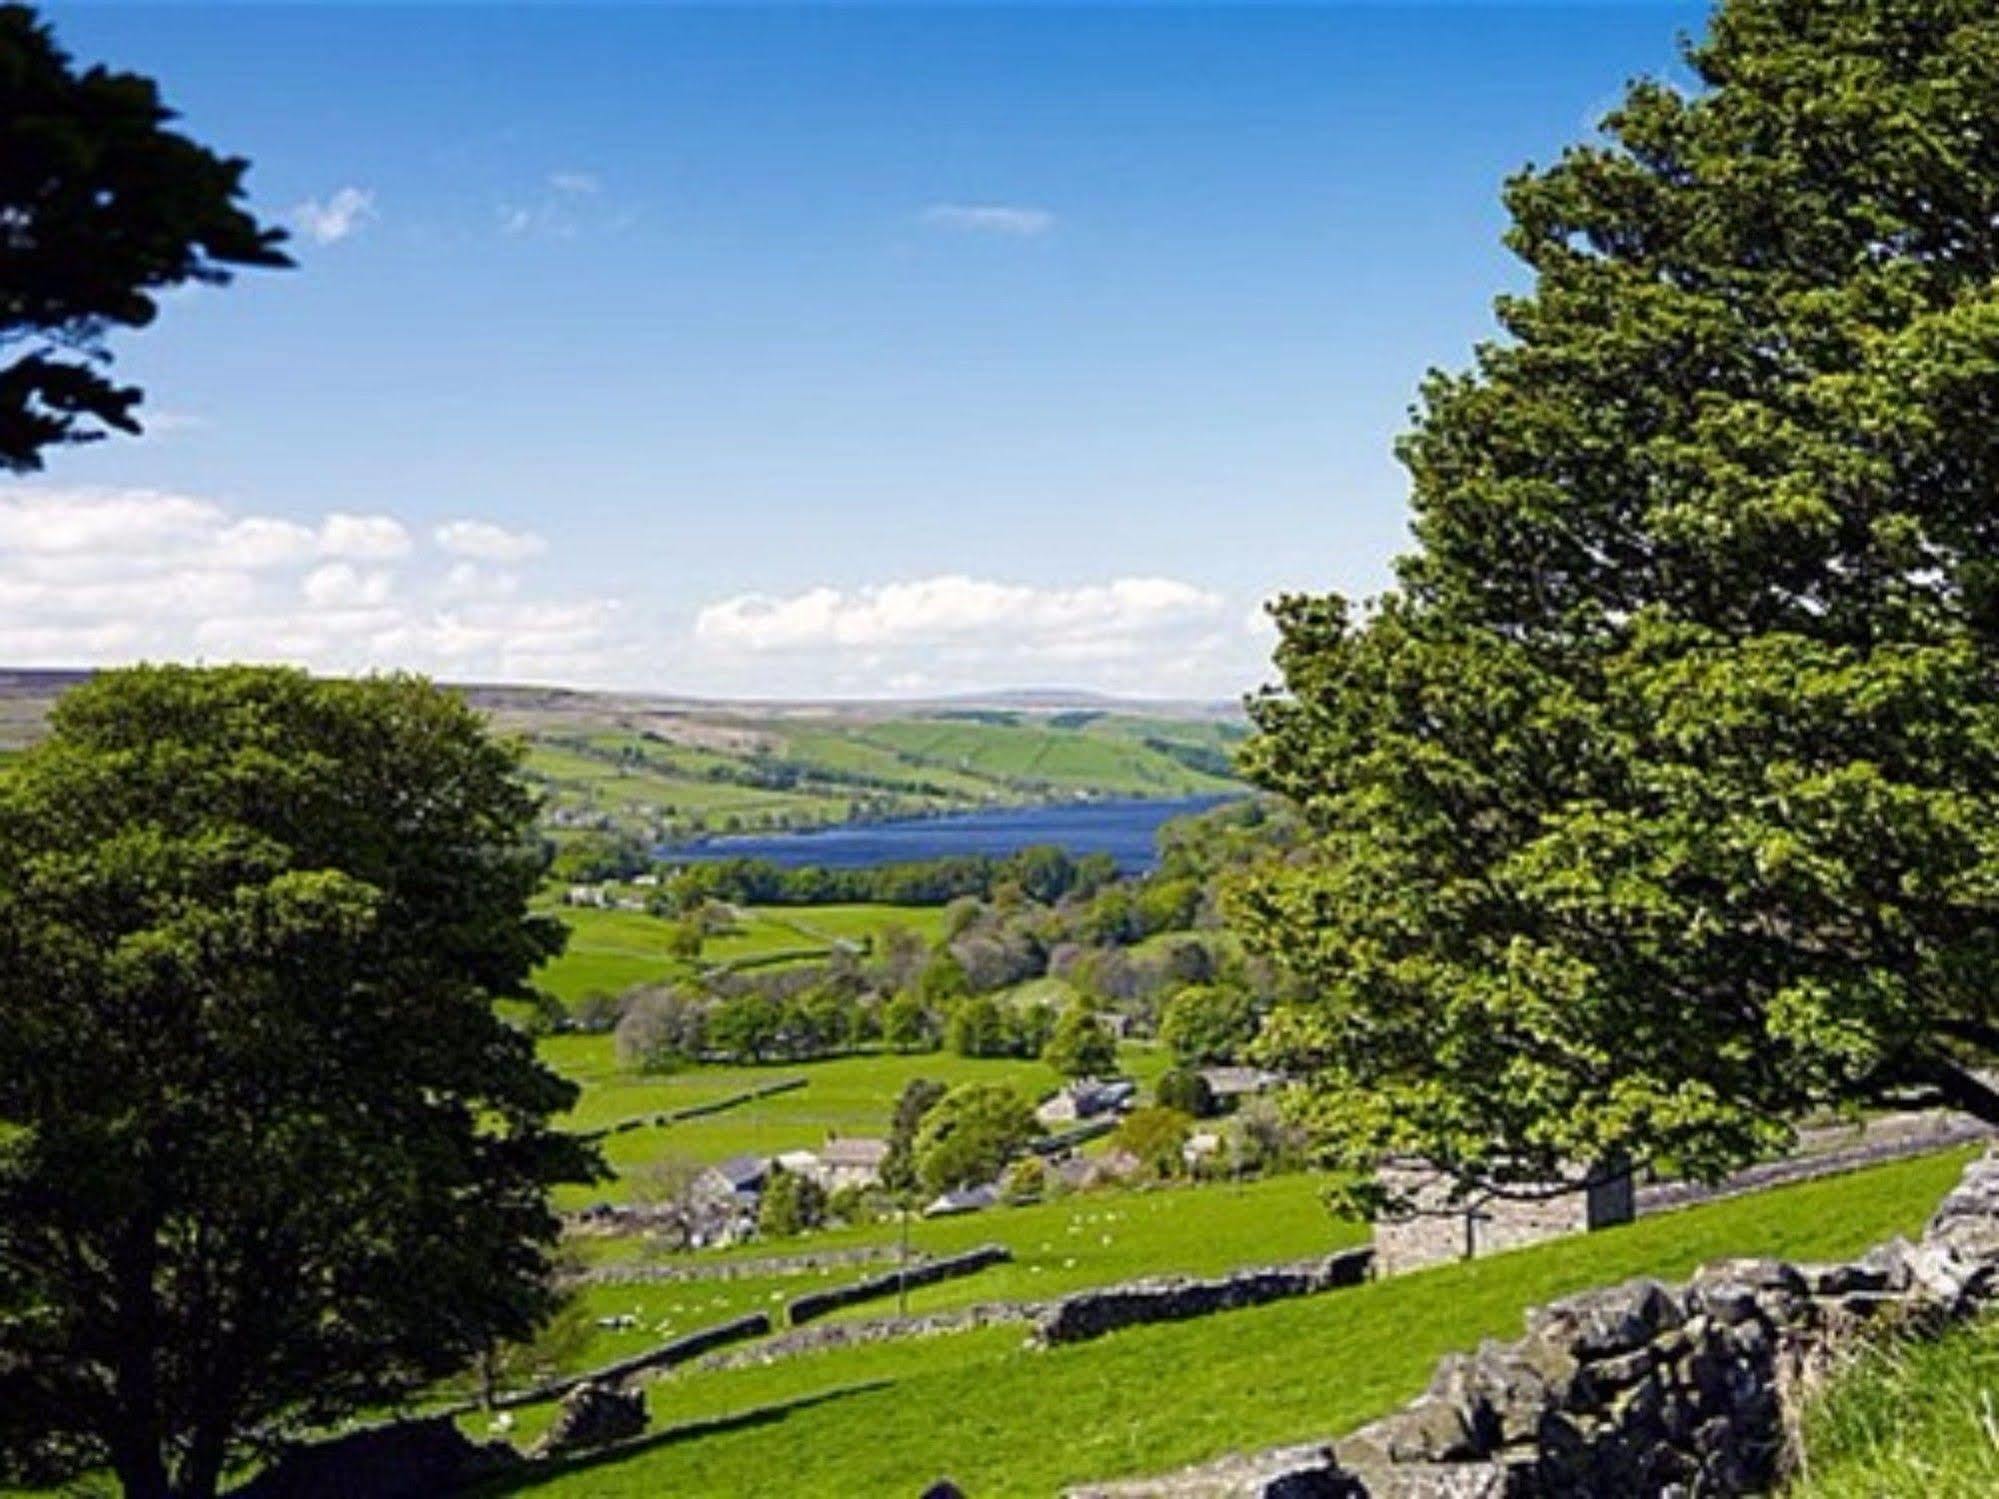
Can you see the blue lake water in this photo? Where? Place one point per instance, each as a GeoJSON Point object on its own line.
{"type": "Point", "coordinates": [1125, 830]}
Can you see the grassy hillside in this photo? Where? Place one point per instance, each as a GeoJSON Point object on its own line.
{"type": "Point", "coordinates": [1003, 1419]}
{"type": "Point", "coordinates": [610, 951]}
{"type": "Point", "coordinates": [656, 767]}
{"type": "Point", "coordinates": [1909, 1419]}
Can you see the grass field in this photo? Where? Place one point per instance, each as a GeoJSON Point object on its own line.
{"type": "Point", "coordinates": [1004, 1419]}
{"type": "Point", "coordinates": [610, 951]}
{"type": "Point", "coordinates": [845, 1095]}
{"type": "Point", "coordinates": [1909, 1419]}
{"type": "Point", "coordinates": [1094, 1239]}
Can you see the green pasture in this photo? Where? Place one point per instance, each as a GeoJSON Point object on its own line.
{"type": "Point", "coordinates": [611, 951]}
{"type": "Point", "coordinates": [1001, 1418]}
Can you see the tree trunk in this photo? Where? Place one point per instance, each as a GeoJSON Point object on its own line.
{"type": "Point", "coordinates": [1964, 1091]}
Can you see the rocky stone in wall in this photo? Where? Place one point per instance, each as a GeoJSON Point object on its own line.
{"type": "Point", "coordinates": [594, 1415]}
{"type": "Point", "coordinates": [822, 1303]}
{"type": "Point", "coordinates": [1091, 1314]}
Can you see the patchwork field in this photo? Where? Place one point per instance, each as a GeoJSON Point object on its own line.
{"type": "Point", "coordinates": [611, 951]}
{"type": "Point", "coordinates": [1003, 1419]}
{"type": "Point", "coordinates": [845, 1095]}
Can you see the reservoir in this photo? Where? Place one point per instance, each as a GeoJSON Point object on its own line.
{"type": "Point", "coordinates": [1125, 830]}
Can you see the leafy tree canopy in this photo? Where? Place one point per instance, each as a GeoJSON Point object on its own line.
{"type": "Point", "coordinates": [1660, 802]}
{"type": "Point", "coordinates": [273, 1159]}
{"type": "Point", "coordinates": [103, 208]}
{"type": "Point", "coordinates": [1081, 1045]}
{"type": "Point", "coordinates": [967, 1138]}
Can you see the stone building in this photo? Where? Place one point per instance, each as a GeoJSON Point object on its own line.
{"type": "Point", "coordinates": [1443, 1225]}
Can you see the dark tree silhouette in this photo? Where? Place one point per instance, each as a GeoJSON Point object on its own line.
{"type": "Point", "coordinates": [268, 1157]}
{"type": "Point", "coordinates": [101, 208]}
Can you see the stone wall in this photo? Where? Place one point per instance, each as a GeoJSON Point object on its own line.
{"type": "Point", "coordinates": [1641, 1389]}
{"type": "Point", "coordinates": [1438, 1227]}
{"type": "Point", "coordinates": [823, 1303]}
{"type": "Point", "coordinates": [761, 1267]}
{"type": "Point", "coordinates": [398, 1460]}
{"type": "Point", "coordinates": [1091, 1314]}
{"type": "Point", "coordinates": [824, 1335]}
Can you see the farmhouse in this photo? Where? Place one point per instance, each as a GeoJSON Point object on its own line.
{"type": "Point", "coordinates": [1087, 1098]}
{"type": "Point", "coordinates": [1443, 1223]}
{"type": "Point", "coordinates": [851, 1161]}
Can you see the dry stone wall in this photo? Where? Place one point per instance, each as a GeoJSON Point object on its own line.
{"type": "Point", "coordinates": [1091, 1314]}
{"type": "Point", "coordinates": [1640, 1389]}
{"type": "Point", "coordinates": [824, 1303]}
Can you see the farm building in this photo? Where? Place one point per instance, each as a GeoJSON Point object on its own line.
{"type": "Point", "coordinates": [1444, 1223]}
{"type": "Point", "coordinates": [1088, 1098]}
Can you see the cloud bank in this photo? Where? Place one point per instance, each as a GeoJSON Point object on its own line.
{"type": "Point", "coordinates": [97, 577]}
{"type": "Point", "coordinates": [1152, 636]}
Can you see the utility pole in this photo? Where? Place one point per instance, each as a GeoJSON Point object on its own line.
{"type": "Point", "coordinates": [902, 1265]}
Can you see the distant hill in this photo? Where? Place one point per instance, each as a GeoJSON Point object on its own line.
{"type": "Point", "coordinates": [655, 766]}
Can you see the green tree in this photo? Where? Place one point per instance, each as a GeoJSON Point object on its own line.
{"type": "Point", "coordinates": [105, 208]}
{"type": "Point", "coordinates": [1208, 1023]}
{"type": "Point", "coordinates": [1081, 1045]}
{"type": "Point", "coordinates": [907, 1025]}
{"type": "Point", "coordinates": [969, 1135]}
{"type": "Point", "coordinates": [274, 1158]}
{"type": "Point", "coordinates": [1185, 1091]}
{"type": "Point", "coordinates": [791, 1204]}
{"type": "Point", "coordinates": [943, 983]}
{"type": "Point", "coordinates": [977, 1028]}
{"type": "Point", "coordinates": [1156, 1135]}
{"type": "Point", "coordinates": [747, 1026]}
{"type": "Point", "coordinates": [918, 1097]}
{"type": "Point", "coordinates": [1659, 804]}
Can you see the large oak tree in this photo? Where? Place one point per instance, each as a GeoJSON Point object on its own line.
{"type": "Point", "coordinates": [1659, 802]}
{"type": "Point", "coordinates": [267, 1155]}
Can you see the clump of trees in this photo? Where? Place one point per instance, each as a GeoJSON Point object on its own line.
{"type": "Point", "coordinates": [1656, 806]}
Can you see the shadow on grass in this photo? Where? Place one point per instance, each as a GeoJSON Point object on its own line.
{"type": "Point", "coordinates": [533, 1474]}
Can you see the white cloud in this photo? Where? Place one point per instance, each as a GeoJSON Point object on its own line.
{"type": "Point", "coordinates": [1151, 636]}
{"type": "Point", "coordinates": [366, 538]}
{"type": "Point", "coordinates": [484, 542]}
{"type": "Point", "coordinates": [576, 184]}
{"type": "Point", "coordinates": [95, 577]}
{"type": "Point", "coordinates": [932, 611]}
{"type": "Point", "coordinates": [346, 213]}
{"type": "Point", "coordinates": [990, 218]}
{"type": "Point", "coordinates": [341, 585]}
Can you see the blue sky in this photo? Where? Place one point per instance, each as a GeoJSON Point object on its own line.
{"type": "Point", "coordinates": [823, 351]}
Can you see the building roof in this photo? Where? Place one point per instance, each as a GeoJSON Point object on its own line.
{"type": "Point", "coordinates": [962, 1200]}
{"type": "Point", "coordinates": [742, 1171]}
{"type": "Point", "coordinates": [854, 1151]}
{"type": "Point", "coordinates": [1233, 1080]}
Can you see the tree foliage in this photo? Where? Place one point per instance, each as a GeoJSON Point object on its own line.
{"type": "Point", "coordinates": [1081, 1045]}
{"type": "Point", "coordinates": [274, 1158]}
{"type": "Point", "coordinates": [103, 208]}
{"type": "Point", "coordinates": [1659, 803]}
{"type": "Point", "coordinates": [970, 1134]}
